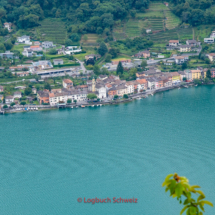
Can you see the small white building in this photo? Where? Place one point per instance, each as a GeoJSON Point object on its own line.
{"type": "Point", "coordinates": [58, 61]}
{"type": "Point", "coordinates": [9, 99]}
{"type": "Point", "coordinates": [209, 40]}
{"type": "Point", "coordinates": [130, 86]}
{"type": "Point", "coordinates": [8, 25]}
{"type": "Point", "coordinates": [67, 83]}
{"type": "Point", "coordinates": [27, 53]}
{"type": "Point", "coordinates": [47, 45]}
{"type": "Point", "coordinates": [24, 39]}
{"type": "Point", "coordinates": [148, 31]}
{"type": "Point", "coordinates": [17, 94]}
{"type": "Point", "coordinates": [73, 49]}
{"type": "Point", "coordinates": [173, 42]}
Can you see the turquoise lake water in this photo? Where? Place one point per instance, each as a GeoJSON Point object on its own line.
{"type": "Point", "coordinates": [48, 159]}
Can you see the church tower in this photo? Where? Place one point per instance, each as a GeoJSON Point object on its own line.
{"type": "Point", "coordinates": [93, 85]}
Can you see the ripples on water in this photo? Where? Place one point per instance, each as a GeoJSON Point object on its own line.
{"type": "Point", "coordinates": [50, 158]}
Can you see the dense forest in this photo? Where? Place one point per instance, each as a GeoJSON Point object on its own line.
{"type": "Point", "coordinates": [91, 15]}
{"type": "Point", "coordinates": [195, 12]}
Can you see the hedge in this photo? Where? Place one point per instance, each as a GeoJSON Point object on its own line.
{"type": "Point", "coordinates": [64, 65]}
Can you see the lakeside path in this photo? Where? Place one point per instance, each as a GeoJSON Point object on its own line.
{"type": "Point", "coordinates": [107, 101]}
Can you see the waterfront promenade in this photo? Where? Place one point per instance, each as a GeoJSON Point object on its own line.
{"type": "Point", "coordinates": [107, 101]}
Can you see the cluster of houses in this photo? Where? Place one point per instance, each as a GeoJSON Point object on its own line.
{"type": "Point", "coordinates": [105, 86]}
{"type": "Point", "coordinates": [191, 45]}
{"type": "Point", "coordinates": [16, 96]}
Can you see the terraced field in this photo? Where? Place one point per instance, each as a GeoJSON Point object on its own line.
{"type": "Point", "coordinates": [172, 20]}
{"type": "Point", "coordinates": [164, 36]}
{"type": "Point", "coordinates": [150, 13]}
{"type": "Point", "coordinates": [185, 33]}
{"type": "Point", "coordinates": [132, 28]}
{"type": "Point", "coordinates": [52, 30]}
{"type": "Point", "coordinates": [118, 32]}
{"type": "Point", "coordinates": [156, 24]}
{"type": "Point", "coordinates": [91, 40]}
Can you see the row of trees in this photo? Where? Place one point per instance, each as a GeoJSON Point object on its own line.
{"type": "Point", "coordinates": [92, 16]}
{"type": "Point", "coordinates": [195, 12]}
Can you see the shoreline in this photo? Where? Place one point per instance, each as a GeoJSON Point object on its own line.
{"type": "Point", "coordinates": [112, 102]}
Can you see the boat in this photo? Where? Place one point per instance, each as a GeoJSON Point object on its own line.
{"type": "Point", "coordinates": [97, 105]}
{"type": "Point", "coordinates": [179, 88]}
{"type": "Point", "coordinates": [82, 106]}
{"type": "Point", "coordinates": [100, 105]}
{"type": "Point", "coordinates": [76, 106]}
{"type": "Point", "coordinates": [138, 98]}
{"type": "Point", "coordinates": [92, 106]}
{"type": "Point", "coordinates": [152, 94]}
{"type": "Point", "coordinates": [196, 85]}
{"type": "Point", "coordinates": [71, 107]}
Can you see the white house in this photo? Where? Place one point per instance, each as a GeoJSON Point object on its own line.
{"type": "Point", "coordinates": [130, 86]}
{"type": "Point", "coordinates": [173, 42]}
{"type": "Point", "coordinates": [9, 99]}
{"type": "Point", "coordinates": [58, 61]}
{"type": "Point", "coordinates": [209, 40]}
{"type": "Point", "coordinates": [148, 31]}
{"type": "Point", "coordinates": [47, 45]}
{"type": "Point", "coordinates": [67, 83]}
{"type": "Point", "coordinates": [73, 49]}
{"type": "Point", "coordinates": [8, 25]}
{"type": "Point", "coordinates": [24, 39]}
{"type": "Point", "coordinates": [78, 95]}
{"type": "Point", "coordinates": [28, 53]}
{"type": "Point", "coordinates": [17, 94]}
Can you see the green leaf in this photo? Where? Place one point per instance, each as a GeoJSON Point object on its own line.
{"type": "Point", "coordinates": [201, 206]}
{"type": "Point", "coordinates": [167, 179]}
{"type": "Point", "coordinates": [200, 198]}
{"type": "Point", "coordinates": [179, 189]}
{"type": "Point", "coordinates": [172, 187]}
{"type": "Point", "coordinates": [200, 192]}
{"type": "Point", "coordinates": [195, 186]}
{"type": "Point", "coordinates": [192, 210]}
{"type": "Point", "coordinates": [182, 211]}
{"type": "Point", "coordinates": [166, 183]}
{"type": "Point", "coordinates": [167, 188]}
{"type": "Point", "coordinates": [186, 201]}
{"type": "Point", "coordinates": [206, 202]}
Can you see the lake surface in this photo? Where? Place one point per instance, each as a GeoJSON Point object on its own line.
{"type": "Point", "coordinates": [49, 159]}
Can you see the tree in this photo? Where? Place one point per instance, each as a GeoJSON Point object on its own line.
{"type": "Point", "coordinates": [96, 69]}
{"type": "Point", "coordinates": [114, 52]}
{"type": "Point", "coordinates": [108, 58]}
{"type": "Point", "coordinates": [184, 66]}
{"type": "Point", "coordinates": [102, 50]}
{"type": "Point", "coordinates": [125, 96]}
{"type": "Point", "coordinates": [116, 97]}
{"type": "Point", "coordinates": [23, 103]}
{"type": "Point", "coordinates": [143, 63]}
{"type": "Point", "coordinates": [119, 69]}
{"type": "Point", "coordinates": [180, 188]}
{"type": "Point", "coordinates": [184, 78]}
{"type": "Point", "coordinates": [28, 91]}
{"type": "Point", "coordinates": [47, 86]}
{"type": "Point", "coordinates": [91, 96]}
{"type": "Point", "coordinates": [52, 51]}
{"type": "Point", "coordinates": [69, 101]}
{"type": "Point", "coordinates": [75, 37]}
{"type": "Point", "coordinates": [8, 45]}
{"type": "Point", "coordinates": [75, 101]}
{"type": "Point", "coordinates": [208, 74]}
{"type": "Point", "coordinates": [12, 104]}
{"type": "Point", "coordinates": [5, 106]}
{"type": "Point", "coordinates": [68, 42]}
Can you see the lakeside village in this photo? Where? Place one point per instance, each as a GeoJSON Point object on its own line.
{"type": "Point", "coordinates": [68, 80]}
